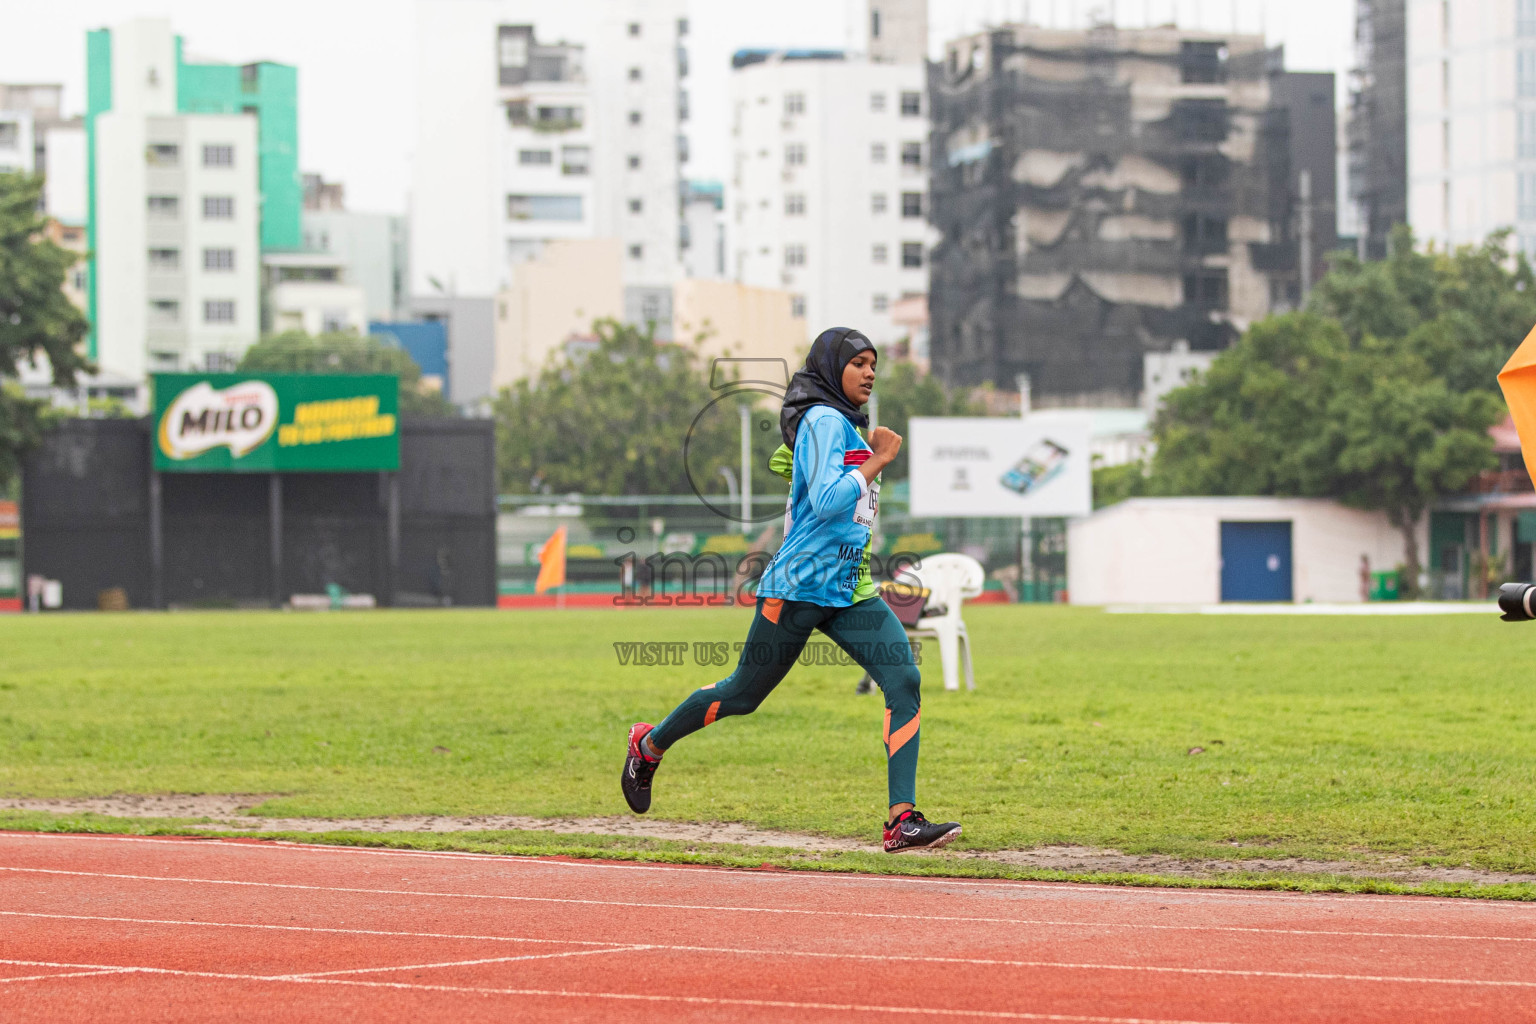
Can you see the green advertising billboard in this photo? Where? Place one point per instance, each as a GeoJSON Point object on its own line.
{"type": "Point", "coordinates": [276, 423]}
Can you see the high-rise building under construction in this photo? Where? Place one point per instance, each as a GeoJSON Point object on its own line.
{"type": "Point", "coordinates": [1109, 198]}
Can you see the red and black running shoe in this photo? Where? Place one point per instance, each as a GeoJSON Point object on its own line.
{"type": "Point", "coordinates": [912, 831]}
{"type": "Point", "coordinates": [638, 769]}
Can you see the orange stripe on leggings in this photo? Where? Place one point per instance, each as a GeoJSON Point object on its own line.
{"type": "Point", "coordinates": [709, 716]}
{"type": "Point", "coordinates": [898, 739]}
{"type": "Point", "coordinates": [772, 607]}
{"type": "Point", "coordinates": [885, 737]}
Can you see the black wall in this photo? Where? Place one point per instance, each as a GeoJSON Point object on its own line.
{"type": "Point", "coordinates": [86, 522]}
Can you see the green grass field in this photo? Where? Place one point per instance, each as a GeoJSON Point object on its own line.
{"type": "Point", "coordinates": [1324, 737]}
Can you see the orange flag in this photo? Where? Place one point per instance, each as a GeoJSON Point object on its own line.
{"type": "Point", "coordinates": [551, 563]}
{"type": "Point", "coordinates": [1518, 381]}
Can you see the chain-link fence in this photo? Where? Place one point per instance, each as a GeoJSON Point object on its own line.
{"type": "Point", "coordinates": [611, 538]}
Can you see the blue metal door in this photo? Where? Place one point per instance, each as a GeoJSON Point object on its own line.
{"type": "Point", "coordinates": [1256, 561]}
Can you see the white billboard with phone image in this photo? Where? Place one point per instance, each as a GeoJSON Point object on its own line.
{"type": "Point", "coordinates": [975, 466]}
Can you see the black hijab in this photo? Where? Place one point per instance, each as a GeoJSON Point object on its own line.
{"type": "Point", "coordinates": [820, 381]}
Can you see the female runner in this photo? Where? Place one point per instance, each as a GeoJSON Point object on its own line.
{"type": "Point", "coordinates": [819, 579]}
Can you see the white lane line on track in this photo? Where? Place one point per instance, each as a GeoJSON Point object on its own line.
{"type": "Point", "coordinates": [1035, 964]}
{"type": "Point", "coordinates": [465, 963]}
{"type": "Point", "coordinates": [1037, 922]}
{"type": "Point", "coordinates": [773, 1004]}
{"type": "Point", "coordinates": [1202, 894]}
{"type": "Point", "coordinates": [794, 911]}
{"type": "Point", "coordinates": [69, 974]}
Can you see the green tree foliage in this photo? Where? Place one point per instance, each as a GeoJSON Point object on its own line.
{"type": "Point", "coordinates": [904, 392]}
{"type": "Point", "coordinates": [346, 352]}
{"type": "Point", "coordinates": [35, 317]}
{"type": "Point", "coordinates": [1380, 395]}
{"type": "Point", "coordinates": [615, 419]}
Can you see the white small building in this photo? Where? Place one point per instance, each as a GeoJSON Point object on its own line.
{"type": "Point", "coordinates": [312, 292]}
{"type": "Point", "coordinates": [1193, 551]}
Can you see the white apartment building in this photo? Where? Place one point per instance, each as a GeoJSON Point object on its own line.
{"type": "Point", "coordinates": [178, 261]}
{"type": "Point", "coordinates": [830, 177]}
{"type": "Point", "coordinates": [1471, 82]}
{"type": "Point", "coordinates": [36, 138]}
{"type": "Point", "coordinates": [526, 138]}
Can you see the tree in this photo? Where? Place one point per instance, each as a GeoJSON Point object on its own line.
{"type": "Point", "coordinates": [904, 391]}
{"type": "Point", "coordinates": [1380, 396]}
{"type": "Point", "coordinates": [345, 352]}
{"type": "Point", "coordinates": [615, 419]}
{"type": "Point", "coordinates": [36, 319]}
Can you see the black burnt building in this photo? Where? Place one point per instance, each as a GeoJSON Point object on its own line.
{"type": "Point", "coordinates": [1107, 195]}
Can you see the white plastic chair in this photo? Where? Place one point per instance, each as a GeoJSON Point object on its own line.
{"type": "Point", "coordinates": [952, 578]}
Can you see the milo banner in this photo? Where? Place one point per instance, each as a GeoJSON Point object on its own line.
{"type": "Point", "coordinates": [276, 423]}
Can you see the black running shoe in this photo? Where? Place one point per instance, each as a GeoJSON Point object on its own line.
{"type": "Point", "coordinates": [912, 831]}
{"type": "Point", "coordinates": [638, 769]}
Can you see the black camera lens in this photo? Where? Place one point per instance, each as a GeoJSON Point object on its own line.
{"type": "Point", "coordinates": [1515, 602]}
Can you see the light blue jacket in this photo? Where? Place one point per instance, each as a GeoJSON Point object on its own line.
{"type": "Point", "coordinates": [829, 516]}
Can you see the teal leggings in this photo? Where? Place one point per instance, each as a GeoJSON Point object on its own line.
{"type": "Point", "coordinates": [868, 631]}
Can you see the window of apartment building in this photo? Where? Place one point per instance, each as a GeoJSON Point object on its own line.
{"type": "Point", "coordinates": [1525, 73]}
{"type": "Point", "coordinates": [165, 360]}
{"type": "Point", "coordinates": [682, 62]}
{"type": "Point", "coordinates": [797, 306]}
{"type": "Point", "coordinates": [634, 28]}
{"type": "Point", "coordinates": [794, 204]}
{"type": "Point", "coordinates": [636, 251]}
{"type": "Point", "coordinates": [1205, 233]}
{"type": "Point", "coordinates": [1206, 288]}
{"type": "Point", "coordinates": [682, 104]}
{"type": "Point", "coordinates": [794, 103]}
{"type": "Point", "coordinates": [1526, 133]}
{"type": "Point", "coordinates": [1201, 120]}
{"type": "Point", "coordinates": [877, 152]}
{"type": "Point", "coordinates": [164, 259]}
{"type": "Point", "coordinates": [334, 321]}
{"type": "Point", "coordinates": [634, 117]}
{"type": "Point", "coordinates": [877, 202]}
{"type": "Point", "coordinates": [10, 134]}
{"type": "Point", "coordinates": [522, 206]}
{"type": "Point", "coordinates": [682, 26]}
{"type": "Point", "coordinates": [911, 254]}
{"type": "Point", "coordinates": [911, 104]}
{"type": "Point", "coordinates": [554, 119]}
{"type": "Point", "coordinates": [220, 362]}
{"type": "Point", "coordinates": [218, 207]}
{"type": "Point", "coordinates": [794, 154]}
{"type": "Point", "coordinates": [164, 312]}
{"type": "Point", "coordinates": [879, 253]}
{"type": "Point", "coordinates": [794, 255]}
{"type": "Point", "coordinates": [636, 205]}
{"type": "Point", "coordinates": [1525, 17]}
{"type": "Point", "coordinates": [512, 48]}
{"type": "Point", "coordinates": [218, 156]}
{"type": "Point", "coordinates": [911, 204]}
{"type": "Point", "coordinates": [162, 154]}
{"type": "Point", "coordinates": [634, 161]}
{"type": "Point", "coordinates": [218, 259]}
{"type": "Point", "coordinates": [575, 160]}
{"type": "Point", "coordinates": [877, 102]}
{"type": "Point", "coordinates": [535, 157]}
{"type": "Point", "coordinates": [1525, 207]}
{"type": "Point", "coordinates": [880, 303]}
{"type": "Point", "coordinates": [164, 207]}
{"type": "Point", "coordinates": [1203, 172]}
{"type": "Point", "coordinates": [682, 149]}
{"type": "Point", "coordinates": [517, 113]}
{"type": "Point", "coordinates": [634, 74]}
{"type": "Point", "coordinates": [911, 154]}
{"type": "Point", "coordinates": [219, 311]}
{"type": "Point", "coordinates": [1202, 62]}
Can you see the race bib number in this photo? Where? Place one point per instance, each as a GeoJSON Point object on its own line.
{"type": "Point", "coordinates": [868, 505]}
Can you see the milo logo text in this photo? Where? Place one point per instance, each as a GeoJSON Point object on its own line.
{"type": "Point", "coordinates": [240, 417]}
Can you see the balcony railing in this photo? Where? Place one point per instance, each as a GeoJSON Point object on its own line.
{"type": "Point", "coordinates": [1501, 481]}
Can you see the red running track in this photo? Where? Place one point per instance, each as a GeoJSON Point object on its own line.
{"type": "Point", "coordinates": [107, 928]}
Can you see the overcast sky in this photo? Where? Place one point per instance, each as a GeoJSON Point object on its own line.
{"type": "Point", "coordinates": [357, 71]}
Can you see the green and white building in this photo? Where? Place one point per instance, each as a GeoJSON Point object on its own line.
{"type": "Point", "coordinates": [192, 174]}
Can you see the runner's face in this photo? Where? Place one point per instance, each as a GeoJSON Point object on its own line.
{"type": "Point", "coordinates": [859, 377]}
